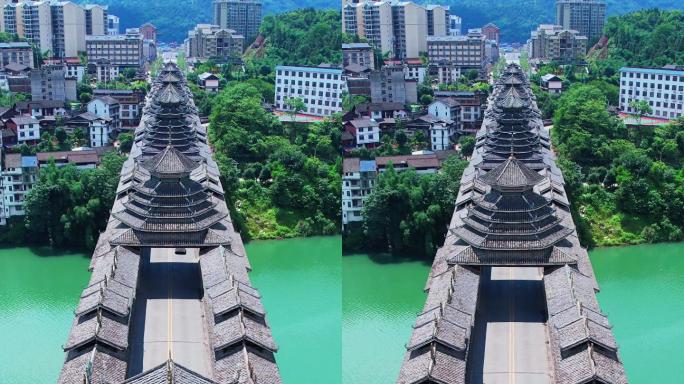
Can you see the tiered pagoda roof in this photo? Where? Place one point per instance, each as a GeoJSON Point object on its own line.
{"type": "Point", "coordinates": [170, 195]}
{"type": "Point", "coordinates": [166, 207]}
{"type": "Point", "coordinates": [170, 118]}
{"type": "Point", "coordinates": [508, 127]}
{"type": "Point", "coordinates": [511, 224]}
{"type": "Point", "coordinates": [512, 210]}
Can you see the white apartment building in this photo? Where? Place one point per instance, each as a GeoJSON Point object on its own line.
{"type": "Point", "coordinates": [358, 180]}
{"type": "Point", "coordinates": [399, 28]}
{"type": "Point", "coordinates": [107, 108]}
{"type": "Point", "coordinates": [662, 88]}
{"type": "Point", "coordinates": [121, 50]}
{"type": "Point", "coordinates": [319, 88]}
{"type": "Point", "coordinates": [56, 26]}
{"type": "Point", "coordinates": [19, 174]}
{"type": "Point", "coordinates": [464, 51]}
{"type": "Point", "coordinates": [27, 128]}
{"type": "Point", "coordinates": [367, 132]}
{"type": "Point", "coordinates": [98, 133]}
{"type": "Point", "coordinates": [441, 133]}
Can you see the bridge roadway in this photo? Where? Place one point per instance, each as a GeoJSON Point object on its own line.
{"type": "Point", "coordinates": [509, 341]}
{"type": "Point", "coordinates": [168, 316]}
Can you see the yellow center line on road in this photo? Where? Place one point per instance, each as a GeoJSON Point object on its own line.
{"type": "Point", "coordinates": [169, 306]}
{"type": "Point", "coordinates": [511, 330]}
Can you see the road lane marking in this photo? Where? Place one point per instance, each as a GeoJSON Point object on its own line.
{"type": "Point", "coordinates": [169, 315]}
{"type": "Point", "coordinates": [511, 329]}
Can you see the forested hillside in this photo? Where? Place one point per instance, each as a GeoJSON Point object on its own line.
{"type": "Point", "coordinates": [626, 183]}
{"type": "Point", "coordinates": [517, 18]}
{"type": "Point", "coordinates": [175, 18]}
{"type": "Point", "coordinates": [650, 37]}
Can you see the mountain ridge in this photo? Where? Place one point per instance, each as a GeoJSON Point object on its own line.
{"type": "Point", "coordinates": [516, 18]}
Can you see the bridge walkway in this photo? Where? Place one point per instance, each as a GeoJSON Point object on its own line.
{"type": "Point", "coordinates": [509, 341]}
{"type": "Point", "coordinates": [168, 317]}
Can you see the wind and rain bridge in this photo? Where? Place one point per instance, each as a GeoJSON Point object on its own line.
{"type": "Point", "coordinates": [511, 296]}
{"type": "Point", "coordinates": [169, 299]}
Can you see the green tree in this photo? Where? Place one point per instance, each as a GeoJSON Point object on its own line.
{"type": "Point", "coordinates": [125, 142]}
{"type": "Point", "coordinates": [467, 145]}
{"type": "Point", "coordinates": [641, 108]}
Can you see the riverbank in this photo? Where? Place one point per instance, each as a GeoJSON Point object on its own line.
{"type": "Point", "coordinates": [299, 280]}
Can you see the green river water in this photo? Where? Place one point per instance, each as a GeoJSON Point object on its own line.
{"type": "Point", "coordinates": [310, 313]}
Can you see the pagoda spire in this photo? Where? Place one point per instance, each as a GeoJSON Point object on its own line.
{"type": "Point", "coordinates": [512, 176]}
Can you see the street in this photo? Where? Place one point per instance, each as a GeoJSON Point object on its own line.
{"type": "Point", "coordinates": [509, 342]}
{"type": "Point", "coordinates": [168, 319]}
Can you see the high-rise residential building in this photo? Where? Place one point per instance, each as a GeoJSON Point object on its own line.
{"type": "Point", "coordinates": [662, 88]}
{"type": "Point", "coordinates": [3, 4]}
{"type": "Point", "coordinates": [437, 20]}
{"type": "Point", "coordinates": [19, 53]}
{"type": "Point", "coordinates": [410, 28]}
{"type": "Point", "coordinates": [119, 50]}
{"type": "Point", "coordinates": [358, 53]}
{"type": "Point", "coordinates": [371, 20]}
{"type": "Point", "coordinates": [38, 24]}
{"type": "Point", "coordinates": [555, 43]}
{"type": "Point", "coordinates": [68, 29]}
{"type": "Point", "coordinates": [462, 51]}
{"type": "Point", "coordinates": [242, 16]}
{"type": "Point", "coordinates": [208, 41]}
{"type": "Point", "coordinates": [112, 25]}
{"type": "Point", "coordinates": [320, 88]}
{"type": "Point", "coordinates": [96, 19]}
{"type": "Point", "coordinates": [491, 32]}
{"type": "Point", "coordinates": [56, 26]}
{"type": "Point", "coordinates": [397, 28]}
{"type": "Point", "coordinates": [455, 25]}
{"type": "Point", "coordinates": [585, 16]}
{"type": "Point", "coordinates": [13, 19]}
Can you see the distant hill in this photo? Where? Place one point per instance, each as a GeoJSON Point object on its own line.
{"type": "Point", "coordinates": [517, 18]}
{"type": "Point", "coordinates": [174, 18]}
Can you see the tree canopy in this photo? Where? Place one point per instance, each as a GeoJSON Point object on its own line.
{"type": "Point", "coordinates": [68, 207]}
{"type": "Point", "coordinates": [280, 183]}
{"type": "Point", "coordinates": [408, 213]}
{"type": "Point", "coordinates": [627, 185]}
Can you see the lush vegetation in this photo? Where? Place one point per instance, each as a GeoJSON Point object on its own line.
{"type": "Point", "coordinates": [407, 213]}
{"type": "Point", "coordinates": [518, 17]}
{"type": "Point", "coordinates": [303, 37]}
{"type": "Point", "coordinates": [651, 37]}
{"type": "Point", "coordinates": [627, 184]}
{"type": "Point", "coordinates": [175, 18]}
{"type": "Point", "coordinates": [67, 207]}
{"type": "Point", "coordinates": [281, 179]}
